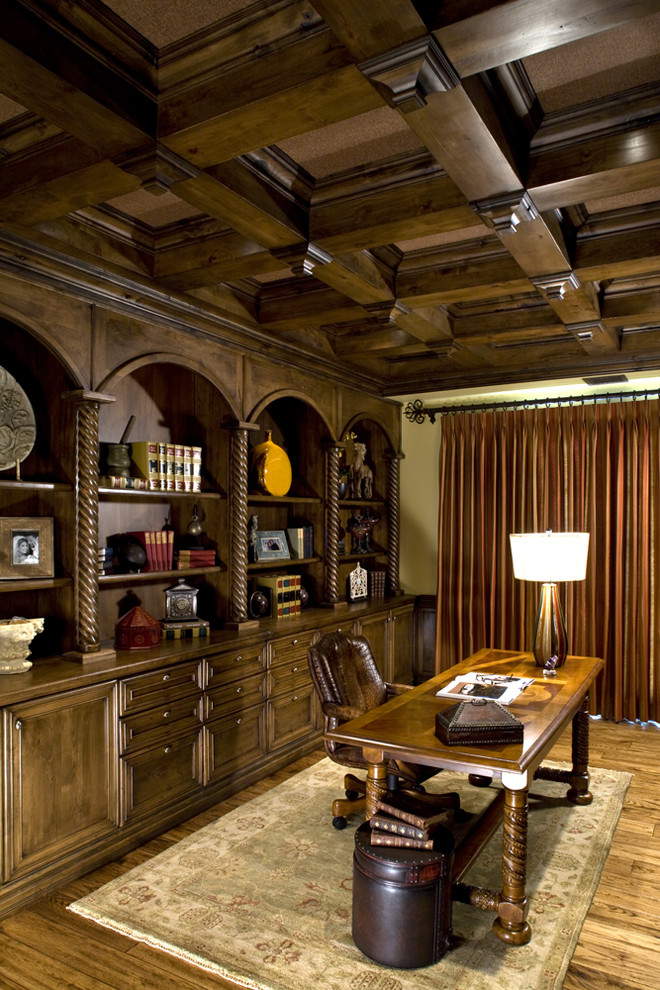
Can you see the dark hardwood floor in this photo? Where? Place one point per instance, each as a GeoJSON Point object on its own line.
{"type": "Point", "coordinates": [45, 947]}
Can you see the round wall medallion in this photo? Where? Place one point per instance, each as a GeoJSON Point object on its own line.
{"type": "Point", "coordinates": [18, 428]}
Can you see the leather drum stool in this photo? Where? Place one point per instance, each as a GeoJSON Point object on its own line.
{"type": "Point", "coordinates": [402, 900]}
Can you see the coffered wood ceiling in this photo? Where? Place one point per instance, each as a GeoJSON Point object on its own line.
{"type": "Point", "coordinates": [414, 195]}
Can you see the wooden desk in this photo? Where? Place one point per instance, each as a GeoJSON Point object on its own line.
{"type": "Point", "coordinates": [404, 728]}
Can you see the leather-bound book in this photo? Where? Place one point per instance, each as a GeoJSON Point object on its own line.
{"type": "Point", "coordinates": [412, 808]}
{"type": "Point", "coordinates": [478, 722]}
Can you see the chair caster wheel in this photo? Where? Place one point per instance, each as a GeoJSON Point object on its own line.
{"type": "Point", "coordinates": [352, 795]}
{"type": "Point", "coordinates": [339, 822]}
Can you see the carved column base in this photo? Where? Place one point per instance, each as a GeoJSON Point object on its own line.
{"type": "Point", "coordinates": [93, 657]}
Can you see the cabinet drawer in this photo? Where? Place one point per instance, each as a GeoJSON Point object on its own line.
{"type": "Point", "coordinates": [160, 687]}
{"type": "Point", "coordinates": [227, 667]}
{"type": "Point", "coordinates": [291, 716]}
{"type": "Point", "coordinates": [136, 731]}
{"type": "Point", "coordinates": [289, 648]}
{"type": "Point", "coordinates": [235, 696]}
{"type": "Point", "coordinates": [234, 741]}
{"type": "Point", "coordinates": [167, 772]}
{"type": "Point", "coordinates": [289, 677]}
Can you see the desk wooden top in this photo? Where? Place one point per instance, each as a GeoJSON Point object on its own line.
{"type": "Point", "coordinates": [404, 727]}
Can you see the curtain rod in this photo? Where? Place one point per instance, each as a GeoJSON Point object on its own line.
{"type": "Point", "coordinates": [416, 411]}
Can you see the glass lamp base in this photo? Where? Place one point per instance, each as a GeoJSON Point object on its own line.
{"type": "Point", "coordinates": [550, 640]}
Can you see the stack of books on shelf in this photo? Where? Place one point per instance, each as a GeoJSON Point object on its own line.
{"type": "Point", "coordinates": [404, 819]}
{"type": "Point", "coordinates": [127, 484]}
{"type": "Point", "coordinates": [184, 559]}
{"type": "Point", "coordinates": [167, 466]}
{"type": "Point", "coordinates": [158, 544]}
{"type": "Point", "coordinates": [185, 628]}
{"type": "Point", "coordinates": [377, 584]}
{"type": "Point", "coordinates": [301, 540]}
{"type": "Point", "coordinates": [283, 593]}
{"type": "Point", "coordinates": [106, 560]}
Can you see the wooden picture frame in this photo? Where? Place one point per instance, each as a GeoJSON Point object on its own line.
{"type": "Point", "coordinates": [26, 547]}
{"type": "Point", "coordinates": [272, 545]}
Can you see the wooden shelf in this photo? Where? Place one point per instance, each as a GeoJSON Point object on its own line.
{"type": "Point", "coordinates": [36, 486]}
{"type": "Point", "coordinates": [282, 564]}
{"type": "Point", "coordinates": [138, 493]}
{"type": "Point", "coordinates": [284, 500]}
{"type": "Point", "coordinates": [158, 575]}
{"type": "Point", "coordinates": [34, 584]}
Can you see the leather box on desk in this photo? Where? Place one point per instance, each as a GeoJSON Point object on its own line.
{"type": "Point", "coordinates": [478, 722]}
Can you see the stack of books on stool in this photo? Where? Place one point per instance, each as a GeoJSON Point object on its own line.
{"type": "Point", "coordinates": [410, 820]}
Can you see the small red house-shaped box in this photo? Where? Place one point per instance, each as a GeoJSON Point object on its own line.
{"type": "Point", "coordinates": [137, 630]}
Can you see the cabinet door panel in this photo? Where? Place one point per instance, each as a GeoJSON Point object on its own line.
{"type": "Point", "coordinates": [402, 645]}
{"type": "Point", "coordinates": [161, 775]}
{"type": "Point", "coordinates": [234, 742]}
{"type": "Point", "coordinates": [291, 716]}
{"type": "Point", "coordinates": [61, 764]}
{"type": "Point", "coordinates": [375, 629]}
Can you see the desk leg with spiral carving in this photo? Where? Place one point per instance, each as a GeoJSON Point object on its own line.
{"type": "Point", "coordinates": [511, 925]}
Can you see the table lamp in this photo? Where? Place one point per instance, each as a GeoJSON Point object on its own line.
{"type": "Point", "coordinates": [549, 558]}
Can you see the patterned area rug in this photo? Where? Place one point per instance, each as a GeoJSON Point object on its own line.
{"type": "Point", "coordinates": [263, 895]}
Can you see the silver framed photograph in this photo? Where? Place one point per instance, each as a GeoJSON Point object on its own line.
{"type": "Point", "coordinates": [272, 545]}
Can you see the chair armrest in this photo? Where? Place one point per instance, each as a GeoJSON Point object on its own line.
{"type": "Point", "coordinates": [394, 689]}
{"type": "Point", "coordinates": [343, 713]}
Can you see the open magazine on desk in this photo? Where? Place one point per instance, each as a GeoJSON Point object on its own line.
{"type": "Point", "coordinates": [493, 687]}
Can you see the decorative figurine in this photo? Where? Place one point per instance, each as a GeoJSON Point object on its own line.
{"type": "Point", "coordinates": [360, 527]}
{"type": "Point", "coordinates": [253, 526]}
{"type": "Point", "coordinates": [194, 530]}
{"type": "Point", "coordinates": [358, 586]}
{"type": "Point", "coordinates": [360, 476]}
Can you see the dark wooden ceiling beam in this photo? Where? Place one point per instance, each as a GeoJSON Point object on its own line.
{"type": "Point", "coordinates": [50, 73]}
{"type": "Point", "coordinates": [373, 217]}
{"type": "Point", "coordinates": [596, 167]}
{"type": "Point", "coordinates": [304, 304]}
{"type": "Point", "coordinates": [250, 203]}
{"type": "Point", "coordinates": [478, 36]}
{"type": "Point", "coordinates": [64, 175]}
{"type": "Point", "coordinates": [292, 90]}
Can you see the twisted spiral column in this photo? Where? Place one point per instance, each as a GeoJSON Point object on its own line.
{"type": "Point", "coordinates": [332, 455]}
{"type": "Point", "coordinates": [238, 519]}
{"type": "Point", "coordinates": [86, 577]}
{"type": "Point", "coordinates": [393, 509]}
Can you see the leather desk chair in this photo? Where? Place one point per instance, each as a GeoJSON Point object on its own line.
{"type": "Point", "coordinates": [348, 684]}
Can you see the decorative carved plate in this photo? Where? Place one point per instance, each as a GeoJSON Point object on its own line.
{"type": "Point", "coordinates": [18, 429]}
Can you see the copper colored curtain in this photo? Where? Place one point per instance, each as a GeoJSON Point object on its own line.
{"type": "Point", "coordinates": [591, 467]}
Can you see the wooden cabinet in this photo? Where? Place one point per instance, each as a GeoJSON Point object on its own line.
{"type": "Point", "coordinates": [235, 712]}
{"type": "Point", "coordinates": [293, 709]}
{"type": "Point", "coordinates": [161, 739]}
{"type": "Point", "coordinates": [391, 635]}
{"type": "Point", "coordinates": [60, 792]}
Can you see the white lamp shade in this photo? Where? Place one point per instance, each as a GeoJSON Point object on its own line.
{"type": "Point", "coordinates": [549, 557]}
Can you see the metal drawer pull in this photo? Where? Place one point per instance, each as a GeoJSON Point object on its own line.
{"type": "Point", "coordinates": [167, 749]}
{"type": "Point", "coordinates": [167, 714]}
{"type": "Point", "coordinates": [238, 658]}
{"type": "Point", "coordinates": [19, 724]}
{"type": "Point", "coordinates": [293, 670]}
{"type": "Point", "coordinates": [166, 677]}
{"type": "Point", "coordinates": [295, 697]}
{"type": "Point", "coordinates": [238, 690]}
{"type": "Point", "coordinates": [294, 642]}
{"type": "Point", "coordinates": [238, 721]}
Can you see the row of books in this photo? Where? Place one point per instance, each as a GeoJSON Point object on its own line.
{"type": "Point", "coordinates": [301, 540]}
{"type": "Point", "coordinates": [167, 466]}
{"type": "Point", "coordinates": [106, 560]}
{"type": "Point", "coordinates": [185, 629]}
{"type": "Point", "coordinates": [158, 544]}
{"type": "Point", "coordinates": [407, 820]}
{"type": "Point", "coordinates": [283, 593]}
{"type": "Point", "coordinates": [195, 557]}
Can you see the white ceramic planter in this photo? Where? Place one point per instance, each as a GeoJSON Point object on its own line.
{"type": "Point", "coordinates": [16, 637]}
